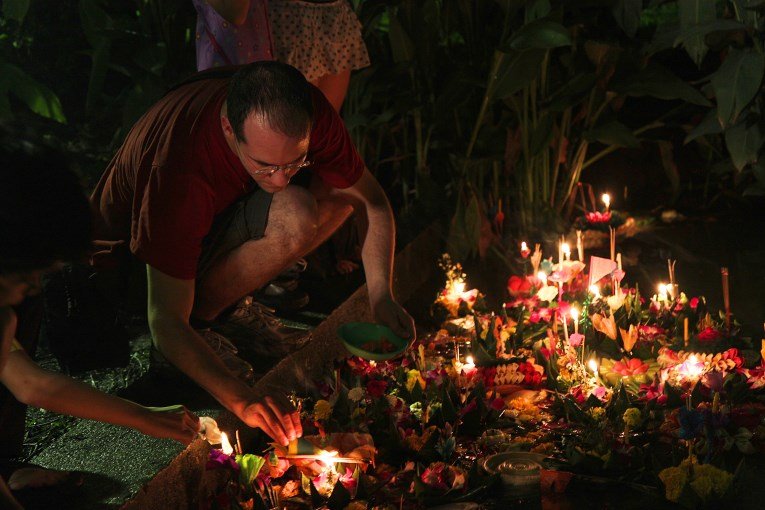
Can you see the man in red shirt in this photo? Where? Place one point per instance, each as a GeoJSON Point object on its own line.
{"type": "Point", "coordinates": [200, 190]}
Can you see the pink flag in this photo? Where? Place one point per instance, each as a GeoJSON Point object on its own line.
{"type": "Point", "coordinates": [600, 267]}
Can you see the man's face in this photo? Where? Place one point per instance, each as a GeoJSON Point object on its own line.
{"type": "Point", "coordinates": [264, 148]}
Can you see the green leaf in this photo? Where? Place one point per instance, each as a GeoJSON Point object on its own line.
{"type": "Point", "coordinates": [249, 467]}
{"type": "Point", "coordinates": [537, 9]}
{"type": "Point", "coordinates": [695, 14]}
{"type": "Point", "coordinates": [736, 82]}
{"type": "Point", "coordinates": [709, 125]}
{"type": "Point", "coordinates": [39, 98]}
{"type": "Point", "coordinates": [613, 133]}
{"type": "Point", "coordinates": [15, 9]}
{"type": "Point", "coordinates": [627, 14]}
{"type": "Point", "coordinates": [340, 497]}
{"type": "Point", "coordinates": [542, 135]}
{"type": "Point", "coordinates": [743, 143]}
{"type": "Point", "coordinates": [572, 92]}
{"type": "Point", "coordinates": [540, 34]}
{"type": "Point", "coordinates": [656, 81]}
{"type": "Point", "coordinates": [401, 44]}
{"type": "Point", "coordinates": [515, 71]}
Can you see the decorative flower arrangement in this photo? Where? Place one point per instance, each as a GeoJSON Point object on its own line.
{"type": "Point", "coordinates": [561, 368]}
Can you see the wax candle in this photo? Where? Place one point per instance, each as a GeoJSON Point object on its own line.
{"type": "Point", "coordinates": [575, 315]}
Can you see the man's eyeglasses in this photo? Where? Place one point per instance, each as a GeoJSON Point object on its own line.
{"type": "Point", "coordinates": [289, 170]}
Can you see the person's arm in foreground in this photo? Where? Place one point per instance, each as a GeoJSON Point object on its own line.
{"type": "Point", "coordinates": [170, 304]}
{"type": "Point", "coordinates": [37, 387]}
{"type": "Point", "coordinates": [378, 233]}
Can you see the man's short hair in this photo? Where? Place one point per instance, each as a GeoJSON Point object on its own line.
{"type": "Point", "coordinates": [44, 214]}
{"type": "Point", "coordinates": [277, 92]}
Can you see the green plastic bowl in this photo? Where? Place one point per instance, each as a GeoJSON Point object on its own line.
{"type": "Point", "coordinates": [358, 335]}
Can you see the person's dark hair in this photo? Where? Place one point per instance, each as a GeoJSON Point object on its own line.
{"type": "Point", "coordinates": [44, 214]}
{"type": "Point", "coordinates": [274, 90]}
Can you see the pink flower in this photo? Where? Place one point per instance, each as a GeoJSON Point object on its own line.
{"type": "Point", "coordinates": [541, 314]}
{"type": "Point", "coordinates": [694, 303]}
{"type": "Point", "coordinates": [653, 392]}
{"type": "Point", "coordinates": [598, 217]}
{"type": "Point", "coordinates": [709, 335]}
{"type": "Point", "coordinates": [649, 333]}
{"type": "Point", "coordinates": [376, 389]}
{"type": "Point", "coordinates": [630, 367]}
{"type": "Point", "coordinates": [600, 392]}
{"type": "Point", "coordinates": [220, 460]}
{"type": "Point", "coordinates": [575, 339]}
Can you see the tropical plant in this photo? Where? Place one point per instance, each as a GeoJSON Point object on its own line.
{"type": "Point", "coordinates": [731, 132]}
{"type": "Point", "coordinates": [14, 81]}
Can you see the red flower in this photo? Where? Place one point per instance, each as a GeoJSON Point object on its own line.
{"type": "Point", "coordinates": [694, 303]}
{"type": "Point", "coordinates": [376, 389]}
{"type": "Point", "coordinates": [709, 335]}
{"type": "Point", "coordinates": [497, 404]}
{"type": "Point", "coordinates": [518, 286]}
{"type": "Point", "coordinates": [630, 367]}
{"type": "Point", "coordinates": [598, 217]}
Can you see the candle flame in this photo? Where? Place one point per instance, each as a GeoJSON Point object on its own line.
{"type": "Point", "coordinates": [542, 276]}
{"type": "Point", "coordinates": [524, 246]}
{"type": "Point", "coordinates": [469, 360]}
{"type": "Point", "coordinates": [574, 313]}
{"type": "Point", "coordinates": [225, 445]}
{"type": "Point", "coordinates": [663, 288]}
{"type": "Point", "coordinates": [593, 366]}
{"type": "Point", "coordinates": [566, 249]}
{"type": "Point", "coordinates": [595, 291]}
{"type": "Point", "coordinates": [606, 199]}
{"type": "Point", "coordinates": [459, 287]}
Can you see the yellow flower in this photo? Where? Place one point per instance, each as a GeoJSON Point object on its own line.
{"type": "Point", "coordinates": [597, 413]}
{"type": "Point", "coordinates": [632, 417]}
{"type": "Point", "coordinates": [629, 337]}
{"type": "Point", "coordinates": [322, 410]}
{"type": "Point", "coordinates": [606, 325]}
{"type": "Point", "coordinates": [413, 377]}
{"type": "Point", "coordinates": [674, 479]}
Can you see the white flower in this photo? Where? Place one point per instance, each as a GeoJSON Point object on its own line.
{"type": "Point", "coordinates": [547, 293]}
{"type": "Point", "coordinates": [356, 393]}
{"type": "Point", "coordinates": [615, 302]}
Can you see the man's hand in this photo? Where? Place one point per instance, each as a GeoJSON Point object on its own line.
{"type": "Point", "coordinates": [389, 313]}
{"type": "Point", "coordinates": [172, 422]}
{"type": "Point", "coordinates": [276, 416]}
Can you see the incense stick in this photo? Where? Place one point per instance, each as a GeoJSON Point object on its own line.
{"type": "Point", "coordinates": [726, 296]}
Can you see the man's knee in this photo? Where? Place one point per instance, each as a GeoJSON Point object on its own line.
{"type": "Point", "coordinates": [294, 218]}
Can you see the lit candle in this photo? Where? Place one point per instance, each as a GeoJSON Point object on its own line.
{"type": "Point", "coordinates": [662, 292]}
{"type": "Point", "coordinates": [606, 200]}
{"type": "Point", "coordinates": [225, 444]}
{"type": "Point", "coordinates": [580, 245]}
{"type": "Point", "coordinates": [542, 277]}
{"type": "Point", "coordinates": [685, 331]}
{"type": "Point", "coordinates": [595, 291]}
{"type": "Point", "coordinates": [575, 315]}
{"type": "Point", "coordinates": [566, 251]}
{"type": "Point", "coordinates": [525, 252]}
{"type": "Point", "coordinates": [594, 367]}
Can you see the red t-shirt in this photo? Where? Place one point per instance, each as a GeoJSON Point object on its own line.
{"type": "Point", "coordinates": [174, 173]}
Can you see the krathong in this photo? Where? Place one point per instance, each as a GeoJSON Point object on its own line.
{"type": "Point", "coordinates": [588, 377]}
